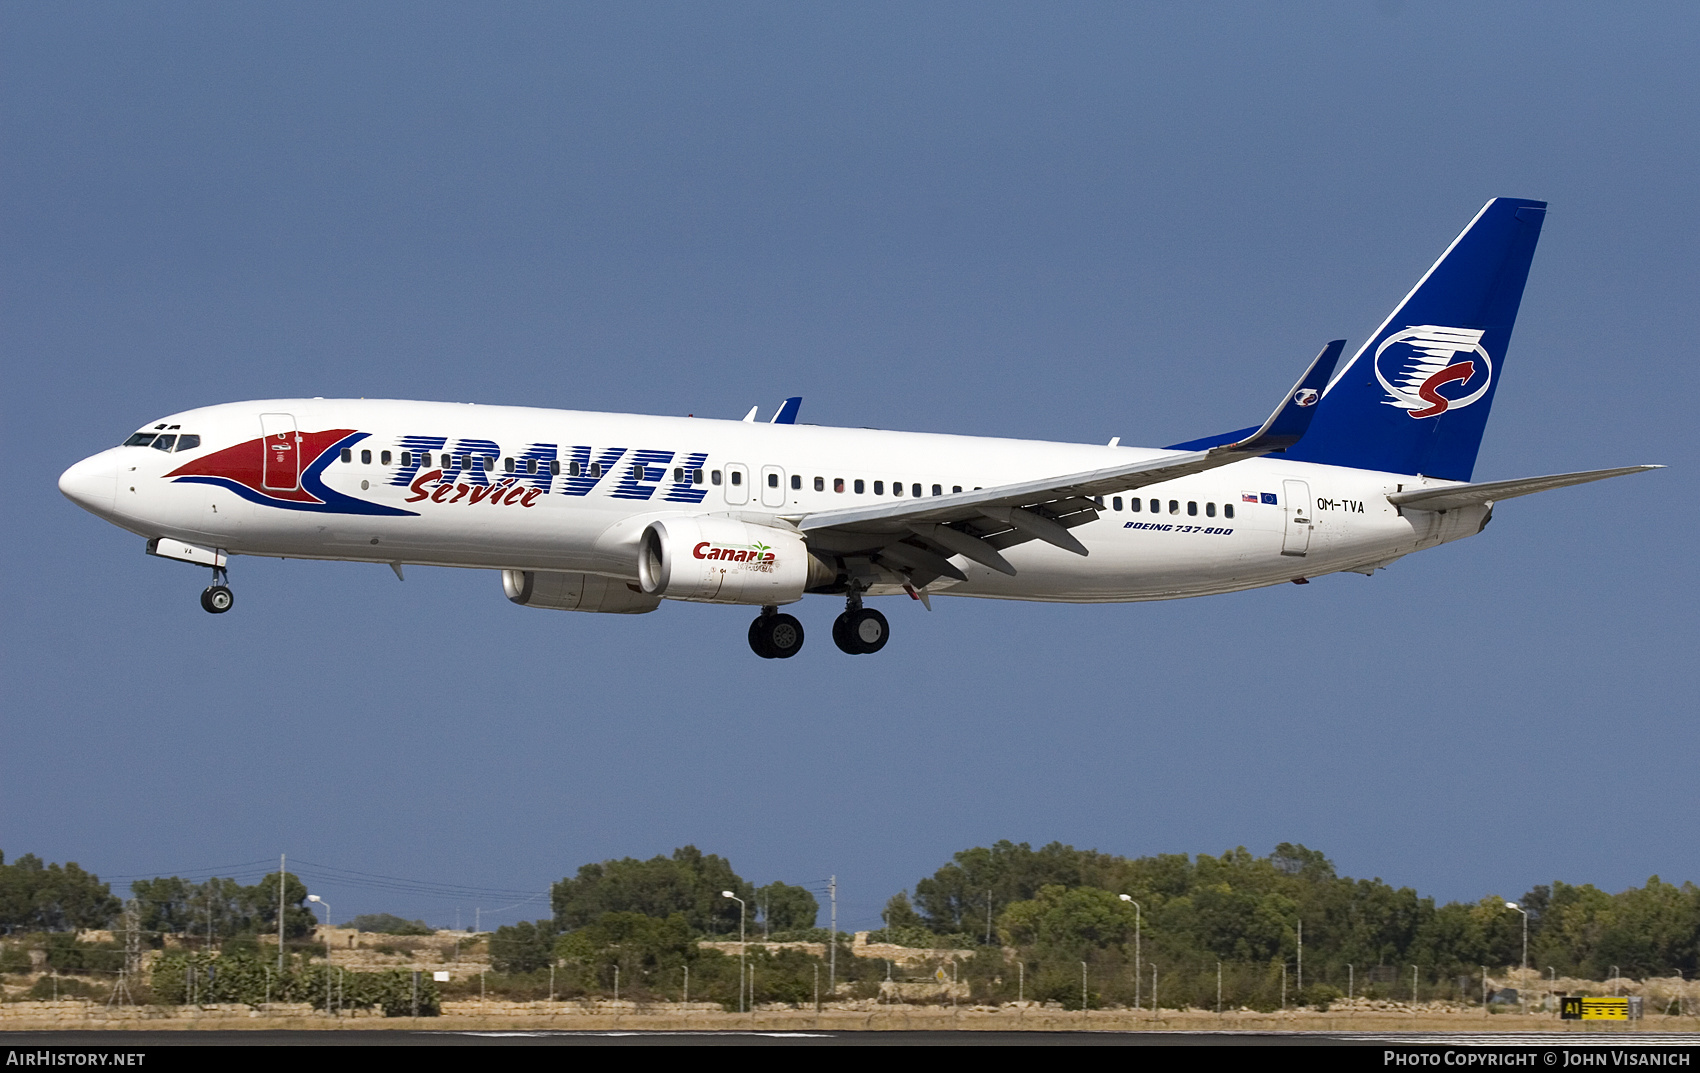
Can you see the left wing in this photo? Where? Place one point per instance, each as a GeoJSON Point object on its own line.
{"type": "Point", "coordinates": [917, 537]}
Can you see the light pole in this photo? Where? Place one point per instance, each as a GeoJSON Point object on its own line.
{"type": "Point", "coordinates": [1617, 984]}
{"type": "Point", "coordinates": [741, 951]}
{"type": "Point", "coordinates": [314, 898]}
{"type": "Point", "coordinates": [1523, 983]}
{"type": "Point", "coordinates": [1137, 913]}
{"type": "Point", "coordinates": [1520, 909]}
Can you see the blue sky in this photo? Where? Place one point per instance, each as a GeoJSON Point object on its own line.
{"type": "Point", "coordinates": [1053, 221]}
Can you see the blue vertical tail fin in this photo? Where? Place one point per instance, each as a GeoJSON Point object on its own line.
{"type": "Point", "coordinates": [1415, 397]}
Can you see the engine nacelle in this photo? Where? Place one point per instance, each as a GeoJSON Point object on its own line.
{"type": "Point", "coordinates": [725, 561]}
{"type": "Point", "coordinates": [575, 592]}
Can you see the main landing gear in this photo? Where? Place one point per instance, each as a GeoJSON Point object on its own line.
{"type": "Point", "coordinates": [859, 631]}
{"type": "Point", "coordinates": [217, 598]}
{"type": "Point", "coordinates": [776, 636]}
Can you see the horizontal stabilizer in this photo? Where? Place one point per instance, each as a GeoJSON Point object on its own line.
{"type": "Point", "coordinates": [1474, 495]}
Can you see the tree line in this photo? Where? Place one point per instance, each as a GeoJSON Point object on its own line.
{"type": "Point", "coordinates": [1035, 920]}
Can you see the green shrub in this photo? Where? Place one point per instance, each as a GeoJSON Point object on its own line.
{"type": "Point", "coordinates": [49, 987]}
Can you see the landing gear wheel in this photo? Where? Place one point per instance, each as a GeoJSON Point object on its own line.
{"type": "Point", "coordinates": [776, 636]}
{"type": "Point", "coordinates": [217, 599]}
{"type": "Point", "coordinates": [861, 632]}
{"type": "Point", "coordinates": [758, 638]}
{"type": "Point", "coordinates": [784, 636]}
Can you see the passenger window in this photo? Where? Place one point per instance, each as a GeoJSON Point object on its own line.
{"type": "Point", "coordinates": [896, 487]}
{"type": "Point", "coordinates": [715, 476]}
{"type": "Point", "coordinates": [796, 482]}
{"type": "Point", "coordinates": [384, 458]}
{"type": "Point", "coordinates": [596, 469]}
{"type": "Point", "coordinates": [915, 490]}
{"type": "Point", "coordinates": [425, 459]}
{"type": "Point", "coordinates": [838, 484]}
{"type": "Point", "coordinates": [737, 476]}
{"type": "Point", "coordinates": [859, 486]}
{"type": "Point", "coordinates": [572, 469]}
{"type": "Point", "coordinates": [938, 490]}
{"type": "Point", "coordinates": [165, 442]}
{"type": "Point", "coordinates": [347, 455]}
{"type": "Point", "coordinates": [554, 467]}
{"type": "Point", "coordinates": [407, 458]}
{"type": "Point", "coordinates": [696, 476]}
{"type": "Point", "coordinates": [1227, 510]}
{"type": "Point", "coordinates": [1192, 509]}
{"type": "Point", "coordinates": [773, 480]}
{"type": "Point", "coordinates": [879, 488]}
{"type": "Point", "coordinates": [507, 465]}
{"type": "Point", "coordinates": [678, 474]}
{"type": "Point", "coordinates": [955, 488]}
{"type": "Point", "coordinates": [638, 472]}
{"type": "Point", "coordinates": [140, 439]}
{"type": "Point", "coordinates": [1116, 503]}
{"type": "Point", "coordinates": [820, 484]}
{"type": "Point", "coordinates": [365, 458]}
{"type": "Point", "coordinates": [188, 443]}
{"type": "Point", "coordinates": [531, 466]}
{"type": "Point", "coordinates": [1210, 510]}
{"type": "Point", "coordinates": [1098, 500]}
{"type": "Point", "coordinates": [1174, 506]}
{"type": "Point", "coordinates": [1134, 503]}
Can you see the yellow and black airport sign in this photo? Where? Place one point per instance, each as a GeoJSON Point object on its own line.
{"type": "Point", "coordinates": [1580, 1008]}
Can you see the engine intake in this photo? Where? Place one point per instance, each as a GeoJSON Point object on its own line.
{"type": "Point", "coordinates": [726, 561]}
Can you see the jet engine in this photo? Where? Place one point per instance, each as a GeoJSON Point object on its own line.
{"type": "Point", "coordinates": [575, 592]}
{"type": "Point", "coordinates": [725, 561]}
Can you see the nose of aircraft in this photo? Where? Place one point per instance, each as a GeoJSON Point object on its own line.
{"type": "Point", "coordinates": [92, 483]}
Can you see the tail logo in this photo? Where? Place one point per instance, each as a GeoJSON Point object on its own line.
{"type": "Point", "coordinates": [1307, 396]}
{"type": "Point", "coordinates": [1414, 364]}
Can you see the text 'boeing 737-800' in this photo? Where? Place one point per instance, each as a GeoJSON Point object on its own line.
{"type": "Point", "coordinates": [614, 513]}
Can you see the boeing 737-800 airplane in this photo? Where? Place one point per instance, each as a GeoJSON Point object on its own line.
{"type": "Point", "coordinates": [615, 513]}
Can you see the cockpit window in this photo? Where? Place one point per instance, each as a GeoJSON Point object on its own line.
{"type": "Point", "coordinates": [164, 442]}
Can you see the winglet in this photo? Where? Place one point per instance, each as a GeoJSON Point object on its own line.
{"type": "Point", "coordinates": [750, 417]}
{"type": "Point", "coordinates": [1288, 423]}
{"type": "Point", "coordinates": [787, 414]}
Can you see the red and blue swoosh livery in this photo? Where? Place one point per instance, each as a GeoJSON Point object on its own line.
{"type": "Point", "coordinates": [243, 470]}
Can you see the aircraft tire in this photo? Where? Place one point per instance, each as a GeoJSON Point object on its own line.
{"type": "Point", "coordinates": [862, 632]}
{"type": "Point", "coordinates": [841, 635]}
{"type": "Point", "coordinates": [217, 599]}
{"type": "Point", "coordinates": [758, 637]}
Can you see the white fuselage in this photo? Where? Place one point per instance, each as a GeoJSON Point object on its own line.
{"type": "Point", "coordinates": [1258, 522]}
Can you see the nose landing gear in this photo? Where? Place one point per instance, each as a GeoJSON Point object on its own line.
{"type": "Point", "coordinates": [859, 631]}
{"type": "Point", "coordinates": [217, 598]}
{"type": "Point", "coordinates": [775, 636]}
